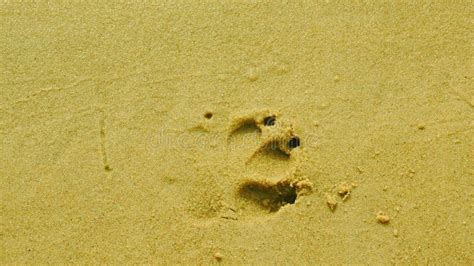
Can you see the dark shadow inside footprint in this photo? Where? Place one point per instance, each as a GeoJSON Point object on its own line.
{"type": "Point", "coordinates": [245, 127]}
{"type": "Point", "coordinates": [272, 151]}
{"type": "Point", "coordinates": [270, 161]}
{"type": "Point", "coordinates": [244, 135]}
{"type": "Point", "coordinates": [268, 195]}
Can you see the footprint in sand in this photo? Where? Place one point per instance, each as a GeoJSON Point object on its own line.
{"type": "Point", "coordinates": [265, 152]}
{"type": "Point", "coordinates": [273, 162]}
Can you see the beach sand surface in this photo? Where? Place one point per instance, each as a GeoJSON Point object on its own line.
{"type": "Point", "coordinates": [236, 132]}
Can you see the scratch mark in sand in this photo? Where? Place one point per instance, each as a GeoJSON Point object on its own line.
{"type": "Point", "coordinates": [46, 91]}
{"type": "Point", "coordinates": [459, 95]}
{"type": "Point", "coordinates": [103, 141]}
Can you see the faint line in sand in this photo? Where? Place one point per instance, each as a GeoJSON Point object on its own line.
{"type": "Point", "coordinates": [103, 141]}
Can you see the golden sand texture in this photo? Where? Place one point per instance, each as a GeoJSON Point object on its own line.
{"type": "Point", "coordinates": [236, 132]}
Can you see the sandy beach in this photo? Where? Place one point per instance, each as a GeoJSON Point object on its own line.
{"type": "Point", "coordinates": [236, 132]}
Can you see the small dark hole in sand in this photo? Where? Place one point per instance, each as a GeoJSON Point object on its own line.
{"type": "Point", "coordinates": [208, 115]}
{"type": "Point", "coordinates": [293, 143]}
{"type": "Point", "coordinates": [269, 121]}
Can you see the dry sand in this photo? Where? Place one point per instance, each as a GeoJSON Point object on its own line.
{"type": "Point", "coordinates": [168, 131]}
